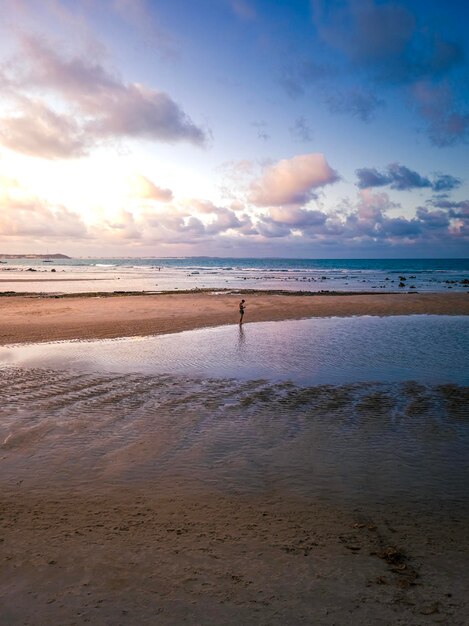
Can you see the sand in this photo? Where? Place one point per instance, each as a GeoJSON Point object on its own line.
{"type": "Point", "coordinates": [35, 319]}
{"type": "Point", "coordinates": [136, 557]}
{"type": "Point", "coordinates": [159, 552]}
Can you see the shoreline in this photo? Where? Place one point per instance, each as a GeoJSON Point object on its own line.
{"type": "Point", "coordinates": [40, 317]}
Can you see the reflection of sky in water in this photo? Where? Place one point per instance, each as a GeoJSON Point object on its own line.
{"type": "Point", "coordinates": [103, 411]}
{"type": "Point", "coordinates": [428, 349]}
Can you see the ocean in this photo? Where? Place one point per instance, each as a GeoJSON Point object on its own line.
{"type": "Point", "coordinates": [181, 273]}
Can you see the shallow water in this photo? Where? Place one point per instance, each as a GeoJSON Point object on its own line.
{"type": "Point", "coordinates": [184, 409]}
{"type": "Point", "coordinates": [366, 444]}
{"type": "Point", "coordinates": [429, 349]}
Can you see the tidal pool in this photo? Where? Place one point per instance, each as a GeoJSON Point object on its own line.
{"type": "Point", "coordinates": [370, 410]}
{"type": "Point", "coordinates": [428, 349]}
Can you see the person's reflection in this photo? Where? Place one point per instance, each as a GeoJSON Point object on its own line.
{"type": "Point", "coordinates": [241, 341]}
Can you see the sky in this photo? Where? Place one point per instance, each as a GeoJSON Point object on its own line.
{"type": "Point", "coordinates": [249, 128]}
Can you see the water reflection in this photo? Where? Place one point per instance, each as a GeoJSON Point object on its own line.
{"type": "Point", "coordinates": [241, 341]}
{"type": "Point", "coordinates": [427, 349]}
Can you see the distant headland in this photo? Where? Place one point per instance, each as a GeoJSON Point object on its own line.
{"type": "Point", "coordinates": [34, 256]}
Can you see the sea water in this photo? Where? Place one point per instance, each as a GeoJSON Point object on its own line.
{"type": "Point", "coordinates": [163, 274]}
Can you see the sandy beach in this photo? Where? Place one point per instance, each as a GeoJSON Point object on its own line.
{"type": "Point", "coordinates": [138, 558]}
{"type": "Point", "coordinates": [131, 499]}
{"type": "Point", "coordinates": [234, 313]}
{"type": "Point", "coordinates": [126, 501]}
{"type": "Point", "coordinates": [37, 318]}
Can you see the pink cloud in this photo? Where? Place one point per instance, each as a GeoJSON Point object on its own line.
{"type": "Point", "coordinates": [95, 106]}
{"type": "Point", "coordinates": [36, 130]}
{"type": "Point", "coordinates": [32, 218]}
{"type": "Point", "coordinates": [292, 181]}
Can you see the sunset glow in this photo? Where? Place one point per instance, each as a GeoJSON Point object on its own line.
{"type": "Point", "coordinates": [305, 129]}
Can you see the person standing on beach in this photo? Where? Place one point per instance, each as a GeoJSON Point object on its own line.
{"type": "Point", "coordinates": [242, 306]}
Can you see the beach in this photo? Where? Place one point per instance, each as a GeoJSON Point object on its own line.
{"type": "Point", "coordinates": [234, 313]}
{"type": "Point", "coordinates": [150, 498]}
{"type": "Point", "coordinates": [136, 558]}
{"type": "Point", "coordinates": [100, 316]}
{"type": "Point", "coordinates": [136, 499]}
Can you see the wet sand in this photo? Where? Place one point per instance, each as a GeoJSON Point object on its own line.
{"type": "Point", "coordinates": [36, 318]}
{"type": "Point", "coordinates": [124, 500]}
{"type": "Point", "coordinates": [133, 557]}
{"type": "Point", "coordinates": [81, 543]}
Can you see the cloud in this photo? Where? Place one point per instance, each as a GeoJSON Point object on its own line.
{"type": "Point", "coordinates": [190, 222]}
{"type": "Point", "coordinates": [292, 181]}
{"type": "Point", "coordinates": [139, 112]}
{"type": "Point", "coordinates": [297, 77]}
{"type": "Point", "coordinates": [169, 226]}
{"type": "Point", "coordinates": [365, 223]}
{"type": "Point", "coordinates": [367, 220]}
{"type": "Point", "coordinates": [397, 176]}
{"type": "Point", "coordinates": [122, 226]}
{"type": "Point", "coordinates": [301, 130]}
{"type": "Point", "coordinates": [384, 38]}
{"type": "Point", "coordinates": [202, 225]}
{"type": "Point", "coordinates": [433, 219]}
{"type": "Point", "coordinates": [447, 123]}
{"type": "Point", "coordinates": [296, 217]}
{"type": "Point", "coordinates": [356, 102]}
{"type": "Point", "coordinates": [445, 182]}
{"type": "Point", "coordinates": [23, 215]}
{"type": "Point", "coordinates": [456, 210]}
{"type": "Point", "coordinates": [97, 106]}
{"type": "Point", "coordinates": [402, 178]}
{"type": "Point", "coordinates": [370, 177]}
{"type": "Point", "coordinates": [284, 221]}
{"type": "Point", "coordinates": [431, 228]}
{"type": "Point", "coordinates": [142, 187]}
{"type": "Point", "coordinates": [384, 44]}
{"type": "Point", "coordinates": [36, 130]}
{"type": "Point", "coordinates": [261, 130]}
{"type": "Point", "coordinates": [223, 219]}
{"type": "Point", "coordinates": [362, 223]}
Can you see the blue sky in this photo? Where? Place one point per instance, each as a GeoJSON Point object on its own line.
{"type": "Point", "coordinates": [234, 128]}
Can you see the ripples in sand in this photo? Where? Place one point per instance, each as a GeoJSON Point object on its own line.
{"type": "Point", "coordinates": [367, 443]}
